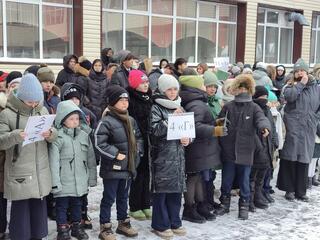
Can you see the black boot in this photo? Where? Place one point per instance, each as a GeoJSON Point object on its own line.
{"type": "Point", "coordinates": [190, 214]}
{"type": "Point", "coordinates": [259, 200]}
{"type": "Point", "coordinates": [86, 221]}
{"type": "Point", "coordinates": [78, 232]}
{"type": "Point", "coordinates": [225, 205]}
{"type": "Point", "coordinates": [243, 209]}
{"type": "Point", "coordinates": [268, 197]}
{"type": "Point", "coordinates": [315, 182]}
{"type": "Point", "coordinates": [203, 210]}
{"type": "Point", "coordinates": [289, 196]}
{"type": "Point", "coordinates": [63, 232]}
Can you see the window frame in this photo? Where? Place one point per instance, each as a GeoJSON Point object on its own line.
{"type": "Point", "coordinates": [40, 4]}
{"type": "Point", "coordinates": [124, 11]}
{"type": "Point", "coordinates": [279, 26]}
{"type": "Point", "coordinates": [317, 30]}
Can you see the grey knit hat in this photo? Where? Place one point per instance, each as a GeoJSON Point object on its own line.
{"type": "Point", "coordinates": [301, 65]}
{"type": "Point", "coordinates": [30, 89]}
{"type": "Point", "coordinates": [166, 82]}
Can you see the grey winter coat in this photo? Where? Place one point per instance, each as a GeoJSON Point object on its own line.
{"type": "Point", "coordinates": [167, 157]}
{"type": "Point", "coordinates": [71, 157]}
{"type": "Point", "coordinates": [27, 172]}
{"type": "Point", "coordinates": [301, 116]}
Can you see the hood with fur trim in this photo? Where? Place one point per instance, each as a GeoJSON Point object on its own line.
{"type": "Point", "coordinates": [244, 80]}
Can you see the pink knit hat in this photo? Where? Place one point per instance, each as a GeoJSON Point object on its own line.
{"type": "Point", "coordinates": [136, 77]}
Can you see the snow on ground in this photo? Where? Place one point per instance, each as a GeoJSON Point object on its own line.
{"type": "Point", "coordinates": [282, 220]}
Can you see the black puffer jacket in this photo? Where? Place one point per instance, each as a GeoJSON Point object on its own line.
{"type": "Point", "coordinates": [246, 118]}
{"type": "Point", "coordinates": [110, 140]}
{"type": "Point", "coordinates": [204, 152]}
{"type": "Point", "coordinates": [264, 154]}
{"type": "Point", "coordinates": [105, 59]}
{"type": "Point", "coordinates": [97, 92]}
{"type": "Point", "coordinates": [167, 163]}
{"type": "Point", "coordinates": [279, 82]}
{"type": "Point", "coordinates": [120, 77]}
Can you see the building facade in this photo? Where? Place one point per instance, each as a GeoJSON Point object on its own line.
{"type": "Point", "coordinates": [43, 31]}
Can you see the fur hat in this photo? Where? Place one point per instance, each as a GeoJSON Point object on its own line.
{"type": "Point", "coordinates": [166, 82]}
{"type": "Point", "coordinates": [30, 89]}
{"type": "Point", "coordinates": [300, 65]}
{"type": "Point", "coordinates": [116, 92]}
{"type": "Point", "coordinates": [84, 62]}
{"type": "Point", "coordinates": [45, 74]}
{"type": "Point", "coordinates": [244, 81]}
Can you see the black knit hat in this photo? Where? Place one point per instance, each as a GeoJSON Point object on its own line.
{"type": "Point", "coordinates": [13, 75]}
{"type": "Point", "coordinates": [72, 92]}
{"type": "Point", "coordinates": [115, 93]}
{"type": "Point", "coordinates": [260, 91]}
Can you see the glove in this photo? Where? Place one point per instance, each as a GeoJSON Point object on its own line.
{"type": "Point", "coordinates": [220, 131]}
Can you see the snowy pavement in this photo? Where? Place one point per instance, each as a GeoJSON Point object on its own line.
{"type": "Point", "coordinates": [282, 220]}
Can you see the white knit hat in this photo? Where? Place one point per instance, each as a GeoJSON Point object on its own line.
{"type": "Point", "coordinates": [166, 82]}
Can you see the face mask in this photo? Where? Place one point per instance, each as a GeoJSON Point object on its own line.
{"type": "Point", "coordinates": [134, 66]}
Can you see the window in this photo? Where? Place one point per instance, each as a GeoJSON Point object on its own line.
{"type": "Point", "coordinates": [315, 40]}
{"type": "Point", "coordinates": [196, 30]}
{"type": "Point", "coordinates": [274, 37]}
{"type": "Point", "coordinates": [36, 29]}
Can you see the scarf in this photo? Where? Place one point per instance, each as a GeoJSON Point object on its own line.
{"type": "Point", "coordinates": [123, 116]}
{"type": "Point", "coordinates": [167, 103]}
{"type": "Point", "coordinates": [243, 97]}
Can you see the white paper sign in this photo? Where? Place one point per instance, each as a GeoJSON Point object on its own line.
{"type": "Point", "coordinates": [222, 63]}
{"type": "Point", "coordinates": [37, 125]}
{"type": "Point", "coordinates": [181, 126]}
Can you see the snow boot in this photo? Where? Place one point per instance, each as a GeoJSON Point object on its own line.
{"type": "Point", "coordinates": [268, 197]}
{"type": "Point", "coordinates": [78, 232]}
{"type": "Point", "coordinates": [166, 234]}
{"type": "Point", "coordinates": [180, 231]}
{"type": "Point", "coordinates": [225, 205]}
{"type": "Point", "coordinates": [289, 196]}
{"type": "Point", "coordinates": [303, 198]}
{"type": "Point", "coordinates": [138, 215]}
{"type": "Point", "coordinates": [106, 232]}
{"type": "Point", "coordinates": [191, 214]}
{"type": "Point", "coordinates": [203, 210]}
{"type": "Point", "coordinates": [125, 228]}
{"type": "Point", "coordinates": [86, 221]}
{"type": "Point", "coordinates": [243, 209]}
{"type": "Point", "coordinates": [259, 201]}
{"type": "Point", "coordinates": [148, 213]}
{"type": "Point", "coordinates": [315, 182]}
{"type": "Point", "coordinates": [63, 232]}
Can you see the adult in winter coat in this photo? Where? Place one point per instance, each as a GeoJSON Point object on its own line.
{"type": "Point", "coordinates": [263, 155]}
{"type": "Point", "coordinates": [279, 82]}
{"type": "Point", "coordinates": [97, 91]}
{"type": "Point", "coordinates": [261, 77]}
{"type": "Point", "coordinates": [50, 91]}
{"type": "Point", "coordinates": [120, 144]}
{"type": "Point", "coordinates": [27, 179]}
{"type": "Point", "coordinates": [139, 109]}
{"type": "Point", "coordinates": [120, 76]}
{"type": "Point", "coordinates": [156, 73]}
{"type": "Point", "coordinates": [203, 154]}
{"type": "Point", "coordinates": [73, 168]}
{"type": "Point", "coordinates": [106, 56]}
{"type": "Point", "coordinates": [244, 119]}
{"type": "Point", "coordinates": [167, 161]}
{"type": "Point", "coordinates": [3, 201]}
{"type": "Point", "coordinates": [301, 117]}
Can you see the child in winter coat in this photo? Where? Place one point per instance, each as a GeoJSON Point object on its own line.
{"type": "Point", "coordinates": [203, 154]}
{"type": "Point", "coordinates": [119, 142]}
{"type": "Point", "coordinates": [139, 109]}
{"type": "Point", "coordinates": [167, 161]}
{"type": "Point", "coordinates": [51, 91]}
{"type": "Point", "coordinates": [73, 92]}
{"type": "Point", "coordinates": [27, 178]}
{"type": "Point", "coordinates": [73, 169]}
{"type": "Point", "coordinates": [263, 156]}
{"type": "Point", "coordinates": [245, 120]}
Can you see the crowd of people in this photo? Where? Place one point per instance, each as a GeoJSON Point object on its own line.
{"type": "Point", "coordinates": [114, 112]}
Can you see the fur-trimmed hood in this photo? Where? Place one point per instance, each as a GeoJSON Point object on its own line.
{"type": "Point", "coordinates": [243, 80]}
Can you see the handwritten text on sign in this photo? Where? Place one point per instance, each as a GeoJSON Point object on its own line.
{"type": "Point", "coordinates": [37, 125]}
{"type": "Point", "coordinates": [181, 126]}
